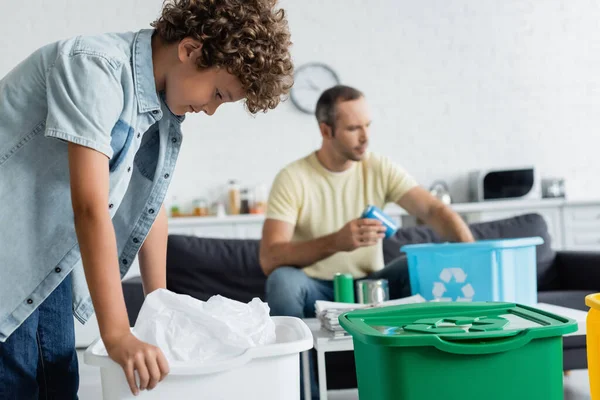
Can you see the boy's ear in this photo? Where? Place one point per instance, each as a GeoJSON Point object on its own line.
{"type": "Point", "coordinates": [189, 49]}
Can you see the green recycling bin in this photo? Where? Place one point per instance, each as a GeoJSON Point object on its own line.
{"type": "Point", "coordinates": [455, 351]}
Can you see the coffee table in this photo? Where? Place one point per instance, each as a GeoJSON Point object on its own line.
{"type": "Point", "coordinates": [324, 342]}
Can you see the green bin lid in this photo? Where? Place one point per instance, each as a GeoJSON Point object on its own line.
{"type": "Point", "coordinates": [461, 328]}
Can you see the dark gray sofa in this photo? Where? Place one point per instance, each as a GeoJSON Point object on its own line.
{"type": "Point", "coordinates": [204, 267]}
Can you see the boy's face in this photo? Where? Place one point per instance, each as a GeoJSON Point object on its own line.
{"type": "Point", "coordinates": [190, 89]}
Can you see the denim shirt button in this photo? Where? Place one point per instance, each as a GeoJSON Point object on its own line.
{"type": "Point", "coordinates": [29, 301]}
{"type": "Point", "coordinates": [124, 261]}
{"type": "Point", "coordinates": [57, 270]}
{"type": "Point", "coordinates": [155, 112]}
{"type": "Point", "coordinates": [151, 211]}
{"type": "Point", "coordinates": [136, 240]}
{"type": "Point", "coordinates": [167, 176]}
{"type": "Point", "coordinates": [174, 140]}
{"type": "Point", "coordinates": [111, 205]}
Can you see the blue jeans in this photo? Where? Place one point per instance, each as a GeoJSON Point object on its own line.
{"type": "Point", "coordinates": [39, 361]}
{"type": "Point", "coordinates": [290, 292]}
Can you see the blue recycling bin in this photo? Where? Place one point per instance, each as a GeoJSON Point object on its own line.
{"type": "Point", "coordinates": [488, 270]}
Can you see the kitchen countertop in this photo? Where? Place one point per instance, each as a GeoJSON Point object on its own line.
{"type": "Point", "coordinates": [394, 210]}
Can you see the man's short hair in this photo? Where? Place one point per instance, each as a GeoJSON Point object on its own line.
{"type": "Point", "coordinates": [326, 105]}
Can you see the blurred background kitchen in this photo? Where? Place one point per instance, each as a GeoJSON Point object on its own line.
{"type": "Point", "coordinates": [455, 86]}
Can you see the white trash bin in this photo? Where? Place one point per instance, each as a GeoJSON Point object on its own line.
{"type": "Point", "coordinates": [270, 372]}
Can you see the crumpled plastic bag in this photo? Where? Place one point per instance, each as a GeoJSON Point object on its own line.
{"type": "Point", "coordinates": [190, 330]}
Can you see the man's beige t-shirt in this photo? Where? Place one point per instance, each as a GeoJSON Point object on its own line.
{"type": "Point", "coordinates": [319, 202]}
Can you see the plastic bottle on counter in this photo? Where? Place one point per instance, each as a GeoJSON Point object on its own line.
{"type": "Point", "coordinates": [259, 205]}
{"type": "Point", "coordinates": [220, 210]}
{"type": "Point", "coordinates": [234, 198]}
{"type": "Point", "coordinates": [175, 209]}
{"type": "Point", "coordinates": [245, 201]}
{"type": "Point", "coordinates": [200, 207]}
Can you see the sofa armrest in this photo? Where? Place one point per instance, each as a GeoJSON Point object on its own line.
{"type": "Point", "coordinates": [578, 270]}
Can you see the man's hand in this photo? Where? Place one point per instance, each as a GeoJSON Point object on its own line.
{"type": "Point", "coordinates": [134, 355]}
{"type": "Point", "coordinates": [360, 232]}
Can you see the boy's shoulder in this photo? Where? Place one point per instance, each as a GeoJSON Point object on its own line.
{"type": "Point", "coordinates": [114, 47]}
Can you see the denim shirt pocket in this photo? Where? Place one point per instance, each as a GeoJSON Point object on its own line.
{"type": "Point", "coordinates": [146, 158]}
{"type": "Point", "coordinates": [121, 137]}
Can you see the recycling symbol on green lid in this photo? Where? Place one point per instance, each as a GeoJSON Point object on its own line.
{"type": "Point", "coordinates": [457, 325]}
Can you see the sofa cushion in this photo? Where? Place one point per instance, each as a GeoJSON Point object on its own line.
{"type": "Point", "coordinates": [133, 292]}
{"type": "Point", "coordinates": [527, 225]}
{"type": "Point", "coordinates": [202, 267]}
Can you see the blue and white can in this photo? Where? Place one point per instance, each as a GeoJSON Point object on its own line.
{"type": "Point", "coordinates": [374, 212]}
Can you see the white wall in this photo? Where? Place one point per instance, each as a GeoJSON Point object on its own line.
{"type": "Point", "coordinates": [454, 85]}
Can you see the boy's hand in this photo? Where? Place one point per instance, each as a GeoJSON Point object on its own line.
{"type": "Point", "coordinates": [134, 355]}
{"type": "Point", "coordinates": [360, 232]}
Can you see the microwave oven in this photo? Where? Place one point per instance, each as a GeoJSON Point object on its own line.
{"type": "Point", "coordinates": [504, 184]}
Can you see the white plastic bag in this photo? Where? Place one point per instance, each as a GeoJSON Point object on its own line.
{"type": "Point", "coordinates": [190, 330]}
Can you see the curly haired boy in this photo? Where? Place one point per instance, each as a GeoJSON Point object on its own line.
{"type": "Point", "coordinates": [89, 136]}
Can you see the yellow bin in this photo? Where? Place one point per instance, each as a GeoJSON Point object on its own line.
{"type": "Point", "coordinates": [593, 343]}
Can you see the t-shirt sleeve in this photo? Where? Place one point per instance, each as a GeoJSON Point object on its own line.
{"type": "Point", "coordinates": [398, 180]}
{"type": "Point", "coordinates": [284, 201]}
{"type": "Point", "coordinates": [85, 100]}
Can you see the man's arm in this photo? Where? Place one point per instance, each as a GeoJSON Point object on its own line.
{"type": "Point", "coordinates": [277, 248]}
{"type": "Point", "coordinates": [153, 255]}
{"type": "Point", "coordinates": [422, 204]}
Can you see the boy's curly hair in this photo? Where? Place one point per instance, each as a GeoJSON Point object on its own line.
{"type": "Point", "coordinates": [248, 37]}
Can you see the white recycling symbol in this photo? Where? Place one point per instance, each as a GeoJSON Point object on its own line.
{"type": "Point", "coordinates": [439, 288]}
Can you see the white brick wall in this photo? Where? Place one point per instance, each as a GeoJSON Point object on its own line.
{"type": "Point", "coordinates": [454, 84]}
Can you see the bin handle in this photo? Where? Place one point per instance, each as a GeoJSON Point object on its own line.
{"type": "Point", "coordinates": [499, 344]}
{"type": "Point", "coordinates": [593, 301]}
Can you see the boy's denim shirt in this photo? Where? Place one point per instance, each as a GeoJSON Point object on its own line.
{"type": "Point", "coordinates": [95, 91]}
